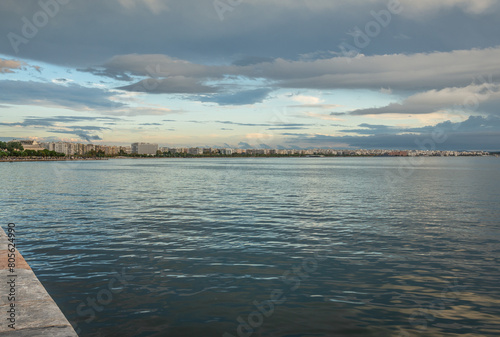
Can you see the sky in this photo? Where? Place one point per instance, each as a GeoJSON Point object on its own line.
{"type": "Point", "coordinates": [343, 74]}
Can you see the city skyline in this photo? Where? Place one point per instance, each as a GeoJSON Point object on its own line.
{"type": "Point", "coordinates": [71, 149]}
{"type": "Point", "coordinates": [322, 74]}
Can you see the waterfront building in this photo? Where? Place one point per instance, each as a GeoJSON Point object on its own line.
{"type": "Point", "coordinates": [195, 151]}
{"type": "Point", "coordinates": [125, 149]}
{"type": "Point", "coordinates": [226, 152]}
{"type": "Point", "coordinates": [89, 148]}
{"type": "Point", "coordinates": [144, 148]}
{"type": "Point", "coordinates": [30, 145]}
{"type": "Point", "coordinates": [61, 147]}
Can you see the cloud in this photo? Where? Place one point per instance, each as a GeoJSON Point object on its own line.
{"type": "Point", "coordinates": [7, 66]}
{"type": "Point", "coordinates": [260, 47]}
{"type": "Point", "coordinates": [192, 30]}
{"type": "Point", "coordinates": [322, 116]}
{"type": "Point", "coordinates": [274, 125]}
{"type": "Point", "coordinates": [252, 60]}
{"type": "Point", "coordinates": [80, 134]}
{"type": "Point", "coordinates": [471, 124]}
{"type": "Point", "coordinates": [469, 98]}
{"type": "Point", "coordinates": [422, 71]}
{"type": "Point", "coordinates": [239, 98]}
{"type": "Point", "coordinates": [243, 145]}
{"type": "Point", "coordinates": [171, 85]}
{"type": "Point", "coordinates": [306, 100]}
{"type": "Point", "coordinates": [71, 96]}
{"type": "Point", "coordinates": [141, 111]}
{"type": "Point", "coordinates": [52, 121]}
{"type": "Point", "coordinates": [369, 129]}
{"type": "Point", "coordinates": [65, 125]}
{"type": "Point", "coordinates": [474, 133]}
{"type": "Point", "coordinates": [120, 76]}
{"type": "Point", "coordinates": [157, 66]}
{"type": "Point", "coordinates": [288, 128]}
{"type": "Point", "coordinates": [155, 6]}
{"type": "Point", "coordinates": [423, 7]}
{"type": "Point", "coordinates": [315, 106]}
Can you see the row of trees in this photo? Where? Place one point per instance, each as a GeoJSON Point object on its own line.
{"type": "Point", "coordinates": [16, 149]}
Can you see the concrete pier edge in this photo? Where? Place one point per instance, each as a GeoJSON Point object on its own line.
{"type": "Point", "coordinates": [36, 313]}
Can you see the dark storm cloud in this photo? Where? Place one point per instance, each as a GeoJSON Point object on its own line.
{"type": "Point", "coordinates": [70, 96]}
{"type": "Point", "coordinates": [252, 60]}
{"type": "Point", "coordinates": [456, 141]}
{"type": "Point", "coordinates": [279, 28]}
{"type": "Point", "coordinates": [472, 124]}
{"type": "Point", "coordinates": [474, 133]}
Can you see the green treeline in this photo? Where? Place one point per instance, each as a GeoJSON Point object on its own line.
{"type": "Point", "coordinates": [16, 149]}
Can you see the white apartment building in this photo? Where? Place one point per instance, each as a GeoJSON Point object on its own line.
{"type": "Point", "coordinates": [144, 148]}
{"type": "Point", "coordinates": [195, 151]}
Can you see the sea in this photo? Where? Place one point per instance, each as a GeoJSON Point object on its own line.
{"type": "Point", "coordinates": [246, 247]}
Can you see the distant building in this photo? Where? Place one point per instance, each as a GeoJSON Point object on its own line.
{"type": "Point", "coordinates": [50, 146]}
{"type": "Point", "coordinates": [89, 148]}
{"type": "Point", "coordinates": [144, 148]}
{"type": "Point", "coordinates": [30, 145]}
{"type": "Point", "coordinates": [177, 150]}
{"type": "Point", "coordinates": [126, 149]}
{"type": "Point", "coordinates": [195, 151]}
{"type": "Point", "coordinates": [61, 147]}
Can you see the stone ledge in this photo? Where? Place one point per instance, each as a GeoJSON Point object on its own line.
{"type": "Point", "coordinates": [36, 312]}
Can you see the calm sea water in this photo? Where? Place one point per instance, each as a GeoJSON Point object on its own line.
{"type": "Point", "coordinates": [264, 247]}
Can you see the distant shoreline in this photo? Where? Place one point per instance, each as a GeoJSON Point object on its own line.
{"type": "Point", "coordinates": [21, 159]}
{"type": "Point", "coordinates": [24, 159]}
